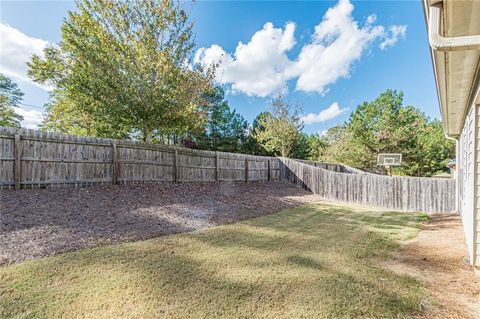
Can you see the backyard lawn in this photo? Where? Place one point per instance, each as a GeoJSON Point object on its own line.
{"type": "Point", "coordinates": [314, 261]}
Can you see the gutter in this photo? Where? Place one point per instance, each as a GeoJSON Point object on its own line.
{"type": "Point", "coordinates": [440, 43]}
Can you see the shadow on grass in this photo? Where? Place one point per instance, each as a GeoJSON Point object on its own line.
{"type": "Point", "coordinates": [298, 263]}
{"type": "Point", "coordinates": [443, 221]}
{"type": "Point", "coordinates": [303, 261]}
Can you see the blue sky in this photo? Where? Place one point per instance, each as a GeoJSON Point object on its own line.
{"type": "Point", "coordinates": [327, 62]}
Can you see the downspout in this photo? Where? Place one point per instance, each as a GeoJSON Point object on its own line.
{"type": "Point", "coordinates": [440, 43]}
{"type": "Point", "coordinates": [457, 177]}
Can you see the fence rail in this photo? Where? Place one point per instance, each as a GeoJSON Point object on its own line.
{"type": "Point", "coordinates": [400, 193]}
{"type": "Point", "coordinates": [35, 159]}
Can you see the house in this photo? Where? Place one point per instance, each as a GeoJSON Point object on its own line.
{"type": "Point", "coordinates": [454, 37]}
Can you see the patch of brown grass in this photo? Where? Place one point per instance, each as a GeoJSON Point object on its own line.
{"type": "Point", "coordinates": [437, 257]}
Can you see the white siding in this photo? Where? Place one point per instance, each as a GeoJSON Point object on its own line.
{"type": "Point", "coordinates": [476, 217]}
{"type": "Point", "coordinates": [466, 177]}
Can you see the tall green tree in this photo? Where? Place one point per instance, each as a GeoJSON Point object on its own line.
{"type": "Point", "coordinates": [253, 145]}
{"type": "Point", "coordinates": [308, 146]}
{"type": "Point", "coordinates": [300, 147]}
{"type": "Point", "coordinates": [279, 129]}
{"type": "Point", "coordinates": [10, 97]}
{"type": "Point", "coordinates": [431, 153]}
{"type": "Point", "coordinates": [342, 148]}
{"type": "Point", "coordinates": [123, 67]}
{"type": "Point", "coordinates": [225, 129]}
{"type": "Point", "coordinates": [385, 125]}
{"type": "Point", "coordinates": [316, 147]}
{"type": "Point", "coordinates": [64, 116]}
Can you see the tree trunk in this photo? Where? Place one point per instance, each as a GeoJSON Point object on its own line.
{"type": "Point", "coordinates": [147, 135]}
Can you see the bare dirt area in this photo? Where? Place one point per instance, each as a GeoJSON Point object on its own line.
{"type": "Point", "coordinates": [437, 257]}
{"type": "Point", "coordinates": [39, 223]}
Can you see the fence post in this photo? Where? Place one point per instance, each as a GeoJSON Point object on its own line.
{"type": "Point", "coordinates": [217, 168]}
{"type": "Point", "coordinates": [269, 177]}
{"type": "Point", "coordinates": [18, 158]}
{"type": "Point", "coordinates": [114, 164]}
{"type": "Point", "coordinates": [246, 170]}
{"type": "Point", "coordinates": [175, 166]}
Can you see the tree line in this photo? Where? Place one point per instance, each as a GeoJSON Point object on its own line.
{"type": "Point", "coordinates": [124, 70]}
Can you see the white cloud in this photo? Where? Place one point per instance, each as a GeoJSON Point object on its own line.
{"type": "Point", "coordinates": [256, 68]}
{"type": "Point", "coordinates": [396, 32]}
{"type": "Point", "coordinates": [329, 113]}
{"type": "Point", "coordinates": [31, 118]}
{"type": "Point", "coordinates": [337, 42]}
{"type": "Point", "coordinates": [371, 19]}
{"type": "Point", "coordinates": [16, 48]}
{"type": "Point", "coordinates": [323, 133]}
{"type": "Point", "coordinates": [261, 67]}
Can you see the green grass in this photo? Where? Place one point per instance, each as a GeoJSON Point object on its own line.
{"type": "Point", "coordinates": [316, 261]}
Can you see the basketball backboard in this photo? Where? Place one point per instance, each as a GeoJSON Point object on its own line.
{"type": "Point", "coordinates": [389, 159]}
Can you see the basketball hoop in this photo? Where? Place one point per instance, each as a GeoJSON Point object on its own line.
{"type": "Point", "coordinates": [388, 160]}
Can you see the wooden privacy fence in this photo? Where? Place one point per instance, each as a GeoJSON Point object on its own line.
{"type": "Point", "coordinates": [35, 159]}
{"type": "Point", "coordinates": [400, 193]}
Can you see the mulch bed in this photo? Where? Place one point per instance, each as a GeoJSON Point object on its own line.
{"type": "Point", "coordinates": [39, 223]}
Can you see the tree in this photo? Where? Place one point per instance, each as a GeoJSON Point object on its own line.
{"type": "Point", "coordinates": [10, 97]}
{"type": "Point", "coordinates": [300, 147]}
{"type": "Point", "coordinates": [316, 147]}
{"type": "Point", "coordinates": [63, 116]}
{"type": "Point", "coordinates": [225, 129]}
{"type": "Point", "coordinates": [123, 67]}
{"type": "Point", "coordinates": [279, 129]}
{"type": "Point", "coordinates": [342, 148]}
{"type": "Point", "coordinates": [252, 145]}
{"type": "Point", "coordinates": [385, 125]}
{"type": "Point", "coordinates": [432, 152]}
{"type": "Point", "coordinates": [308, 146]}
